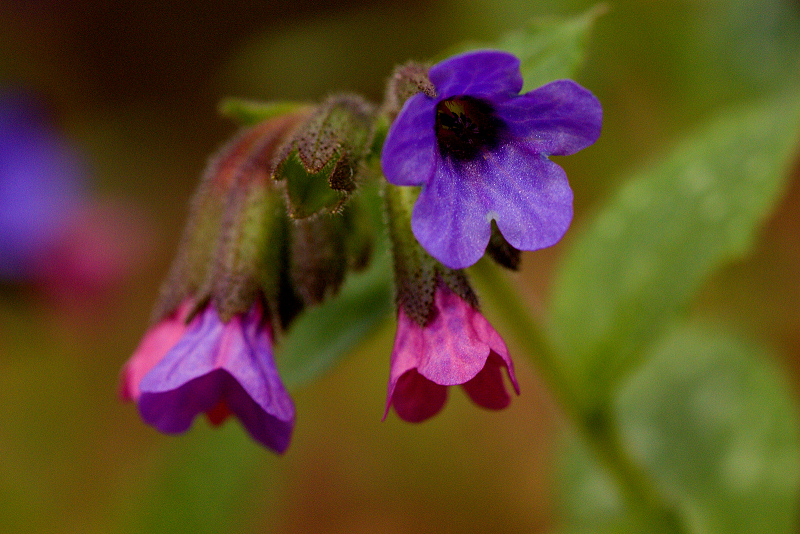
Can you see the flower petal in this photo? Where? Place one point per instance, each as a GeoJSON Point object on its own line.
{"type": "Point", "coordinates": [415, 398]}
{"type": "Point", "coordinates": [559, 118]}
{"type": "Point", "coordinates": [156, 343]}
{"type": "Point", "coordinates": [410, 150]}
{"type": "Point", "coordinates": [450, 217]}
{"type": "Point", "coordinates": [216, 362]}
{"type": "Point", "coordinates": [487, 389]}
{"type": "Point", "coordinates": [481, 74]}
{"type": "Point", "coordinates": [529, 197]}
{"type": "Point", "coordinates": [454, 350]}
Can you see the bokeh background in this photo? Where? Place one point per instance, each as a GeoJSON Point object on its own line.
{"type": "Point", "coordinates": [132, 88]}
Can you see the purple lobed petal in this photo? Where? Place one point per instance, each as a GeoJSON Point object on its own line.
{"type": "Point", "coordinates": [482, 74]}
{"type": "Point", "coordinates": [529, 197]}
{"type": "Point", "coordinates": [229, 362]}
{"type": "Point", "coordinates": [449, 217]}
{"type": "Point", "coordinates": [410, 151]}
{"type": "Point", "coordinates": [559, 118]}
{"type": "Point", "coordinates": [155, 344]}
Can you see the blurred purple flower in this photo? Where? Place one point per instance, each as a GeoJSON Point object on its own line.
{"type": "Point", "coordinates": [480, 152]}
{"type": "Point", "coordinates": [181, 370]}
{"type": "Point", "coordinates": [457, 347]}
{"type": "Point", "coordinates": [52, 233]}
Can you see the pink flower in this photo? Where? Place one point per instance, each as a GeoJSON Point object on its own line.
{"type": "Point", "coordinates": [156, 343]}
{"type": "Point", "coordinates": [207, 366]}
{"type": "Point", "coordinates": [458, 346]}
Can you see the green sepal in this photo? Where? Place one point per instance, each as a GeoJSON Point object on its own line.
{"type": "Point", "coordinates": [501, 250]}
{"type": "Point", "coordinates": [318, 257]}
{"type": "Point", "coordinates": [307, 193]}
{"type": "Point", "coordinates": [406, 81]}
{"type": "Point", "coordinates": [321, 163]}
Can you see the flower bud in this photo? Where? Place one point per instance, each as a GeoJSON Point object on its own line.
{"type": "Point", "coordinates": [406, 81]}
{"type": "Point", "coordinates": [229, 246]}
{"type": "Point", "coordinates": [320, 163]}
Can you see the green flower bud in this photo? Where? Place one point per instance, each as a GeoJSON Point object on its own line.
{"type": "Point", "coordinates": [406, 81]}
{"type": "Point", "coordinates": [233, 232]}
{"type": "Point", "coordinates": [321, 163]}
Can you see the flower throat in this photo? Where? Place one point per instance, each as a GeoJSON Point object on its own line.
{"type": "Point", "coordinates": [464, 126]}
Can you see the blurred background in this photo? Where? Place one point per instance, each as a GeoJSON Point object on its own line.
{"type": "Point", "coordinates": [116, 101]}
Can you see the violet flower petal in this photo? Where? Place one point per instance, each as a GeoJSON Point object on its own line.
{"type": "Point", "coordinates": [488, 73]}
{"type": "Point", "coordinates": [559, 118]}
{"type": "Point", "coordinates": [410, 150]}
{"type": "Point", "coordinates": [155, 344]}
{"type": "Point", "coordinates": [529, 196]}
{"type": "Point", "coordinates": [216, 362]}
{"type": "Point", "coordinates": [450, 216]}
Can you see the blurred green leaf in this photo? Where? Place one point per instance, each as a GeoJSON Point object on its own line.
{"type": "Point", "coordinates": [249, 112]}
{"type": "Point", "coordinates": [715, 424]}
{"type": "Point", "coordinates": [549, 49]}
{"type": "Point", "coordinates": [642, 259]}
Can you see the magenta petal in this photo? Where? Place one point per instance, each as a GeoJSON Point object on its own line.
{"type": "Point", "coordinates": [559, 118]}
{"type": "Point", "coordinates": [156, 343]}
{"type": "Point", "coordinates": [410, 151]}
{"type": "Point", "coordinates": [449, 218]}
{"type": "Point", "coordinates": [484, 73]}
{"type": "Point", "coordinates": [487, 389]}
{"type": "Point", "coordinates": [216, 362]}
{"type": "Point", "coordinates": [458, 346]}
{"type": "Point", "coordinates": [416, 398]}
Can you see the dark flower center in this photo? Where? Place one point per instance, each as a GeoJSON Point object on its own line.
{"type": "Point", "coordinates": [464, 126]}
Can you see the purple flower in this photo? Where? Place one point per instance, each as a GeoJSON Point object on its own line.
{"type": "Point", "coordinates": [53, 233]}
{"type": "Point", "coordinates": [206, 366]}
{"type": "Point", "coordinates": [457, 346]}
{"type": "Point", "coordinates": [480, 152]}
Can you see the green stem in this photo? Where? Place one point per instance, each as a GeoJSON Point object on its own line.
{"type": "Point", "coordinates": [596, 424]}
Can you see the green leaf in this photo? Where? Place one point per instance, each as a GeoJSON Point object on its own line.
{"type": "Point", "coordinates": [715, 424]}
{"type": "Point", "coordinates": [549, 49]}
{"type": "Point", "coordinates": [248, 112]}
{"type": "Point", "coordinates": [712, 420]}
{"type": "Point", "coordinates": [322, 336]}
{"type": "Point", "coordinates": [639, 263]}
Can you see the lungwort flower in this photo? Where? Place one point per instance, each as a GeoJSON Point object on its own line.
{"type": "Point", "coordinates": [480, 152]}
{"type": "Point", "coordinates": [457, 346]}
{"type": "Point", "coordinates": [207, 366]}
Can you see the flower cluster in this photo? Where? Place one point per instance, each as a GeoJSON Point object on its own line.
{"type": "Point", "coordinates": [276, 225]}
